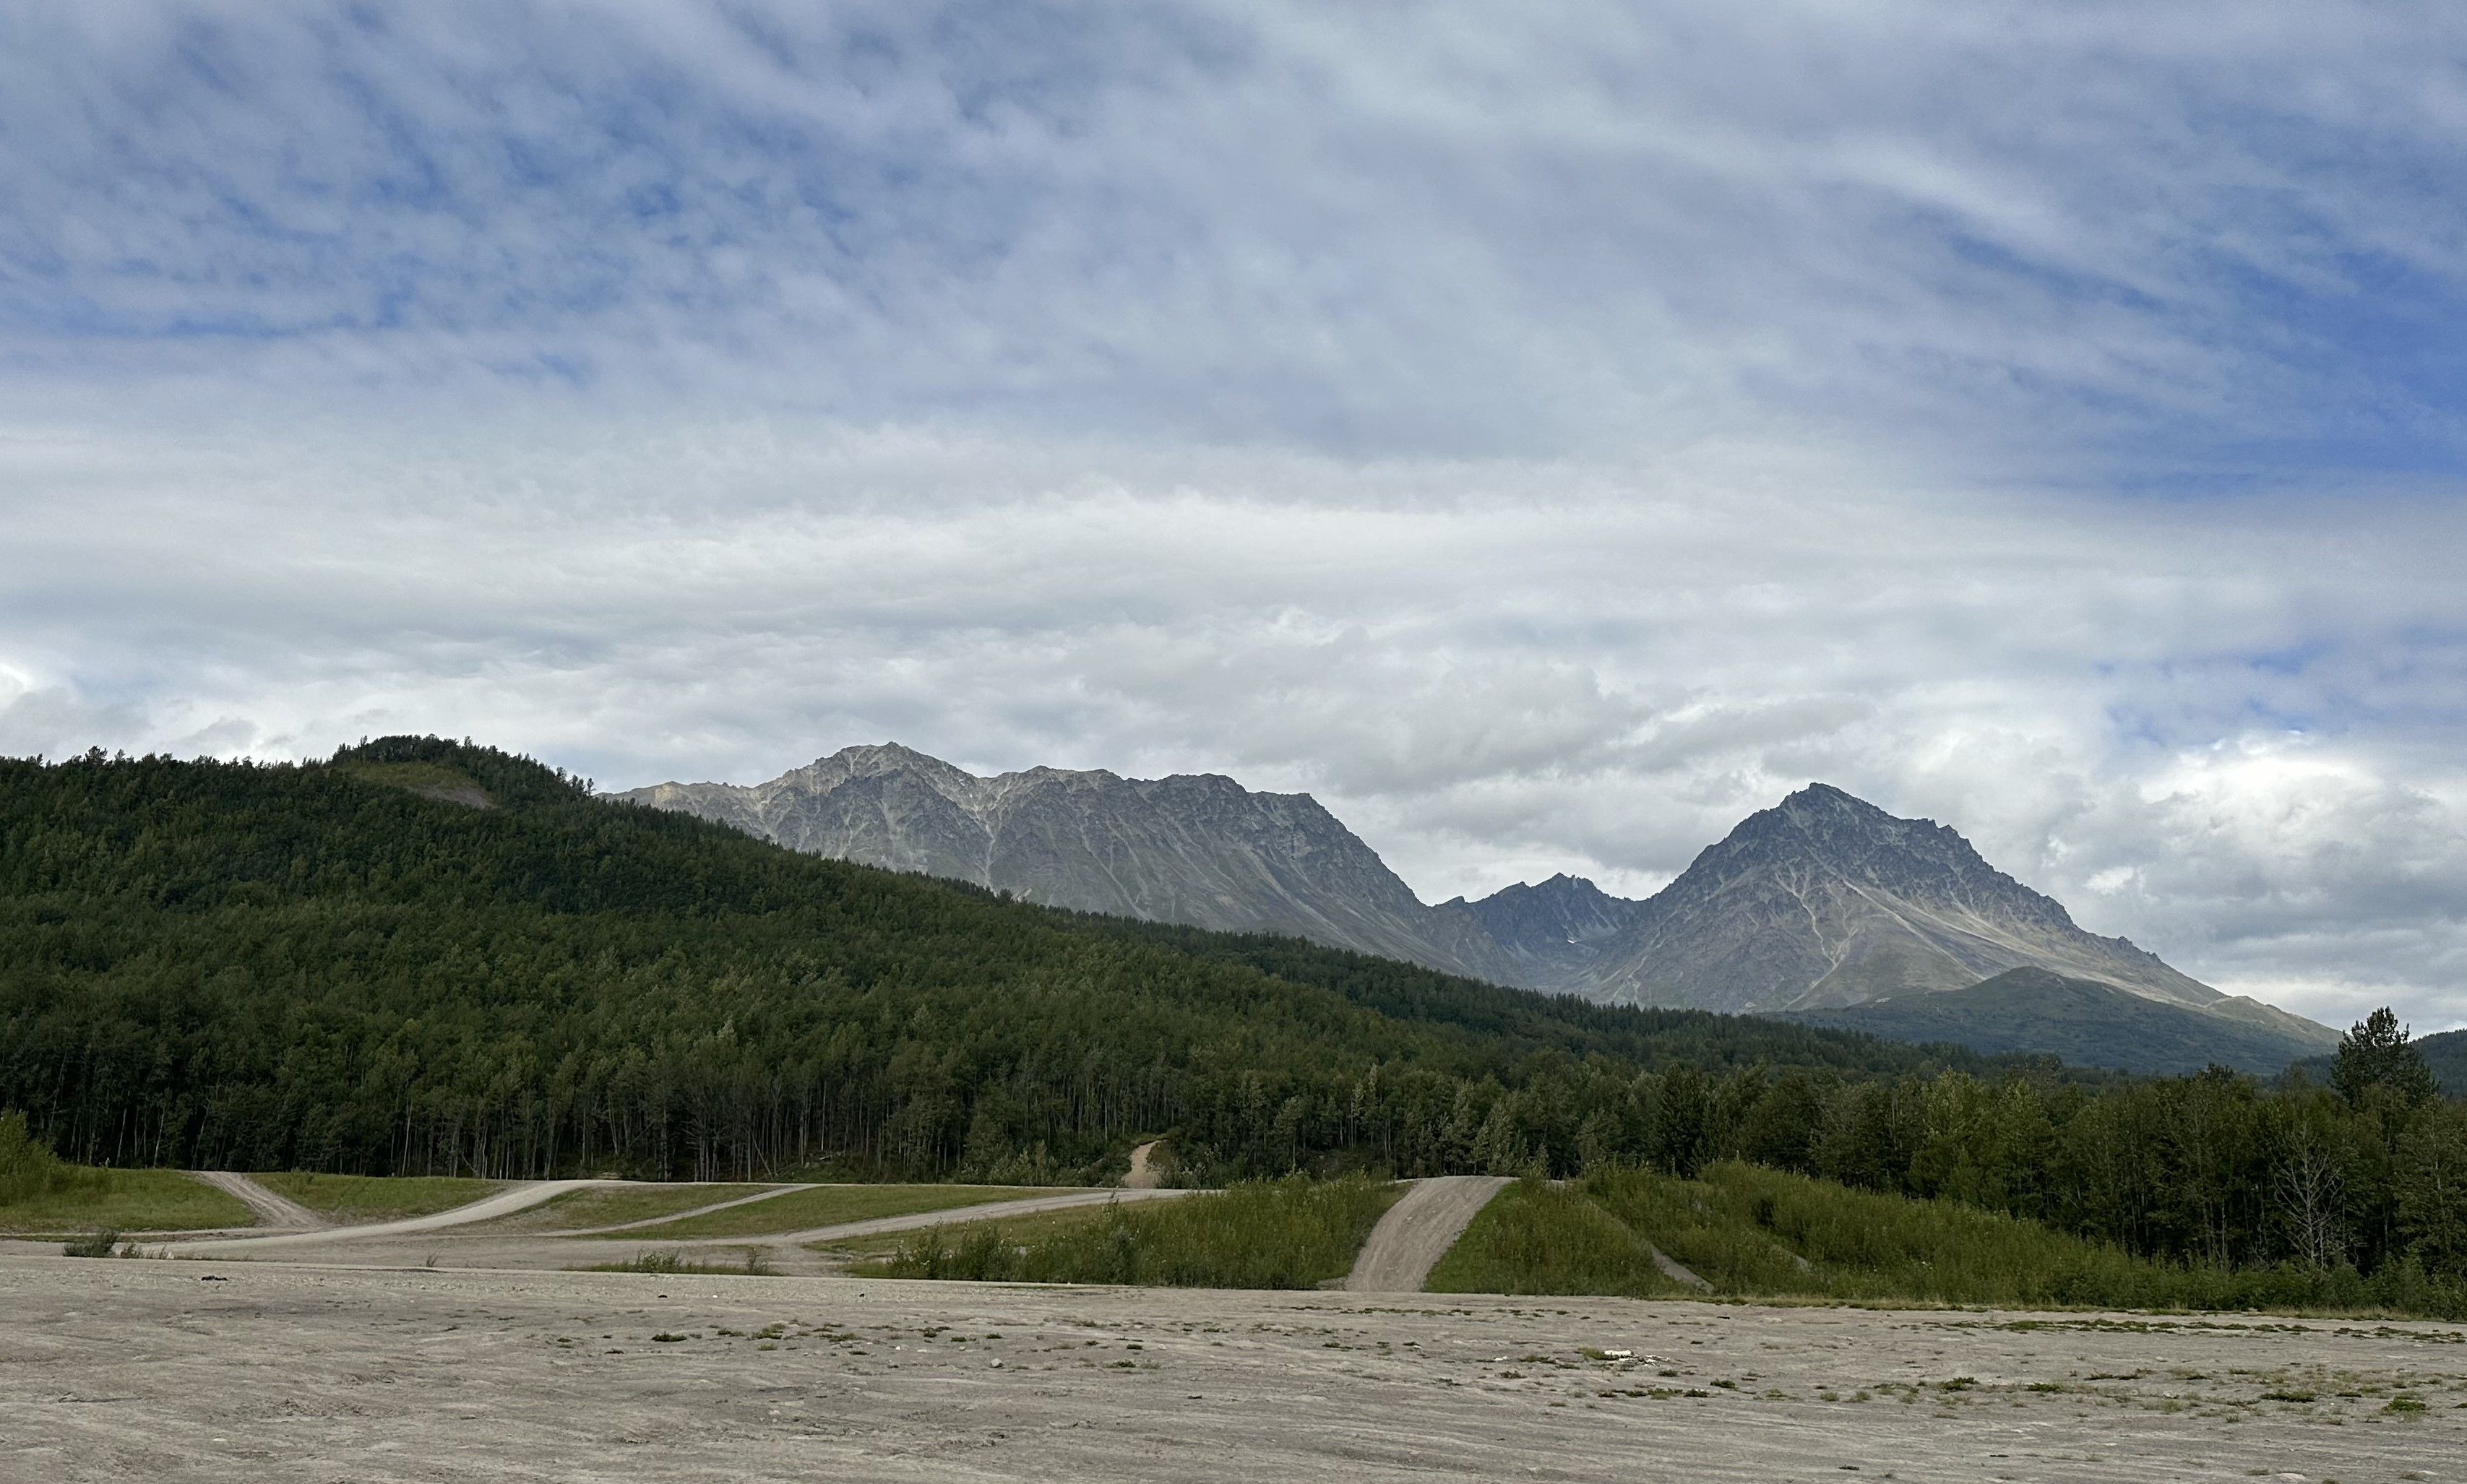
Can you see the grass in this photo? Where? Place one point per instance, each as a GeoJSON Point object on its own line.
{"type": "Point", "coordinates": [1535, 1237]}
{"type": "Point", "coordinates": [829, 1205]}
{"type": "Point", "coordinates": [1292, 1233]}
{"type": "Point", "coordinates": [750, 1266]}
{"type": "Point", "coordinates": [1759, 1234]}
{"type": "Point", "coordinates": [79, 1200]}
{"type": "Point", "coordinates": [356, 1199]}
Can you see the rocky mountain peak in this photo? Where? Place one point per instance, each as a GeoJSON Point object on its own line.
{"type": "Point", "coordinates": [1821, 900]}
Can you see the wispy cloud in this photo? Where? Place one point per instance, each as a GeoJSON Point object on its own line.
{"type": "Point", "coordinates": [2194, 245]}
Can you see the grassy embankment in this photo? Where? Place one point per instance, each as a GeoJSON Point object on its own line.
{"type": "Point", "coordinates": [355, 1200]}
{"type": "Point", "coordinates": [1270, 1234]}
{"type": "Point", "coordinates": [1759, 1234]}
{"type": "Point", "coordinates": [42, 1196]}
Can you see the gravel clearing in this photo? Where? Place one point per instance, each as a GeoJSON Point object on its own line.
{"type": "Point", "coordinates": [232, 1371]}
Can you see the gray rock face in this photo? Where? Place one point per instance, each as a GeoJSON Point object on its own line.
{"type": "Point", "coordinates": [1827, 900]}
{"type": "Point", "coordinates": [1822, 901]}
{"type": "Point", "coordinates": [1554, 935]}
{"type": "Point", "coordinates": [1194, 848]}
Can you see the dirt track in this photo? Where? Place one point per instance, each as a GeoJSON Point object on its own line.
{"type": "Point", "coordinates": [289, 1374]}
{"type": "Point", "coordinates": [272, 1210]}
{"type": "Point", "coordinates": [1417, 1232]}
{"type": "Point", "coordinates": [440, 1240]}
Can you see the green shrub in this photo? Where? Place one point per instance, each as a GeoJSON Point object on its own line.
{"type": "Point", "coordinates": [753, 1265]}
{"type": "Point", "coordinates": [28, 1167]}
{"type": "Point", "coordinates": [1756, 1233]}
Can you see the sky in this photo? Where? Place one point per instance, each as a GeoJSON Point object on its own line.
{"type": "Point", "coordinates": [1546, 433]}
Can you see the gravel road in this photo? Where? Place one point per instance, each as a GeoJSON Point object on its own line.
{"type": "Point", "coordinates": [1417, 1232]}
{"type": "Point", "coordinates": [266, 1373]}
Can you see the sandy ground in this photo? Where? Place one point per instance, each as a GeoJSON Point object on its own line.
{"type": "Point", "coordinates": [271, 1372]}
{"type": "Point", "coordinates": [1417, 1231]}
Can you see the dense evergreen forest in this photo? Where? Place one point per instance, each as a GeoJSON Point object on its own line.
{"type": "Point", "coordinates": [429, 958]}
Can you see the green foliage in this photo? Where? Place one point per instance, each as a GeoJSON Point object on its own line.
{"type": "Point", "coordinates": [240, 966]}
{"type": "Point", "coordinates": [322, 968]}
{"type": "Point", "coordinates": [28, 1167]}
{"type": "Point", "coordinates": [1291, 1233]}
{"type": "Point", "coordinates": [1535, 1237]}
{"type": "Point", "coordinates": [2374, 1055]}
{"type": "Point", "coordinates": [77, 1198]}
{"type": "Point", "coordinates": [1755, 1232]}
{"type": "Point", "coordinates": [103, 1244]}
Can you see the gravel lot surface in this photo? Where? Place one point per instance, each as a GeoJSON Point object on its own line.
{"type": "Point", "coordinates": [200, 1370]}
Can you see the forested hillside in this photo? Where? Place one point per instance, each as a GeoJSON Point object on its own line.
{"type": "Point", "coordinates": [423, 958]}
{"type": "Point", "coordinates": [429, 958]}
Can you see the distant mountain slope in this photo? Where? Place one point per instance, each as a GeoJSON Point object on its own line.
{"type": "Point", "coordinates": [1198, 849]}
{"type": "Point", "coordinates": [1823, 900]}
{"type": "Point", "coordinates": [1554, 934]}
{"type": "Point", "coordinates": [2086, 1022]}
{"type": "Point", "coordinates": [1827, 900]}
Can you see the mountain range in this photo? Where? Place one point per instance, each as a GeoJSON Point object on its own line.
{"type": "Point", "coordinates": [1824, 907]}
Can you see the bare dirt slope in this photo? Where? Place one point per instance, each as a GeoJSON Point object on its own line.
{"type": "Point", "coordinates": [272, 1210]}
{"type": "Point", "coordinates": [1417, 1232]}
{"type": "Point", "coordinates": [288, 1374]}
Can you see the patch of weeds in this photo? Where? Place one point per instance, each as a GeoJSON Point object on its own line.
{"type": "Point", "coordinates": [2289, 1396]}
{"type": "Point", "coordinates": [672, 1264]}
{"type": "Point", "coordinates": [103, 1244]}
{"type": "Point", "coordinates": [2406, 1406]}
{"type": "Point", "coordinates": [666, 1339]}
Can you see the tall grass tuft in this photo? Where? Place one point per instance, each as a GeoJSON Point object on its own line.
{"type": "Point", "coordinates": [29, 1170]}
{"type": "Point", "coordinates": [1536, 1237]}
{"type": "Point", "coordinates": [1292, 1233]}
{"type": "Point", "coordinates": [752, 1265]}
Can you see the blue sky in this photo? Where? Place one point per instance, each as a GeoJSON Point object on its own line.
{"type": "Point", "coordinates": [1546, 433]}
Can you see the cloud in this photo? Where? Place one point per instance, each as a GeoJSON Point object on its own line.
{"type": "Point", "coordinates": [2207, 247]}
{"type": "Point", "coordinates": [1546, 433]}
{"type": "Point", "coordinates": [1493, 669]}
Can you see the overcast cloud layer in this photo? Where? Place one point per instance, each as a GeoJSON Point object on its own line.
{"type": "Point", "coordinates": [1547, 436]}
